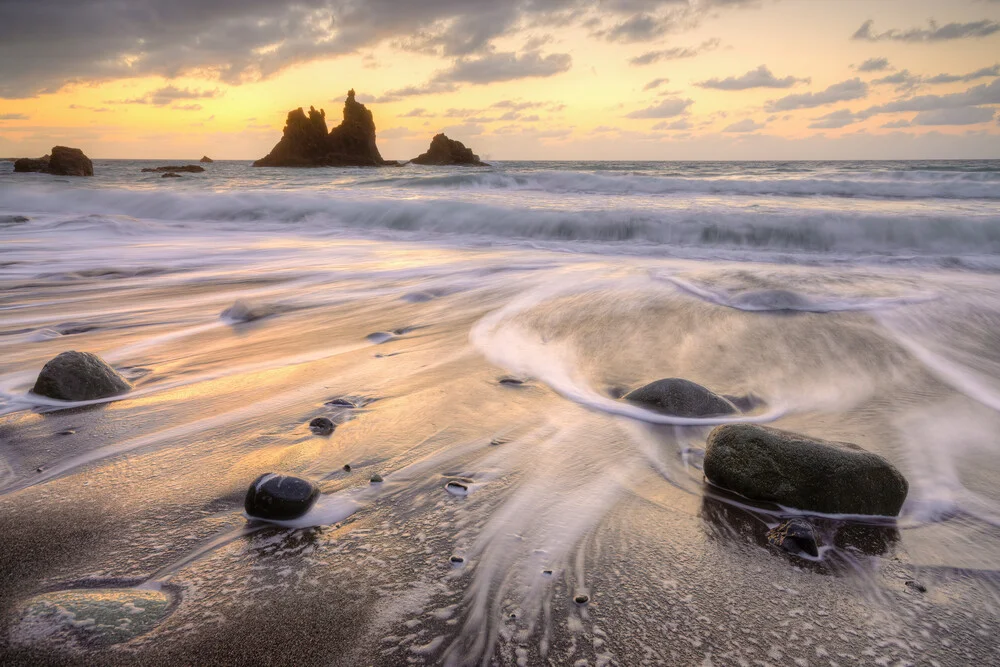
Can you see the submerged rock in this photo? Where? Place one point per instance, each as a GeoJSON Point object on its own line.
{"type": "Point", "coordinates": [206, 160]}
{"type": "Point", "coordinates": [170, 174]}
{"type": "Point", "coordinates": [376, 479]}
{"type": "Point", "coordinates": [88, 617]}
{"type": "Point", "coordinates": [796, 537]}
{"type": "Point", "coordinates": [322, 426]}
{"type": "Point", "coordinates": [62, 161]}
{"type": "Point", "coordinates": [79, 376]}
{"type": "Point", "coordinates": [445, 151]}
{"type": "Point", "coordinates": [306, 143]}
{"type": "Point", "coordinates": [241, 311]}
{"type": "Point", "coordinates": [794, 470]}
{"type": "Point", "coordinates": [457, 488]}
{"type": "Point", "coordinates": [682, 398]}
{"type": "Point", "coordinates": [280, 497]}
{"type": "Point", "coordinates": [190, 168]}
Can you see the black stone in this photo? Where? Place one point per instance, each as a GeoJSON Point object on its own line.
{"type": "Point", "coordinates": [322, 426]}
{"type": "Point", "coordinates": [581, 599]}
{"type": "Point", "coordinates": [347, 467]}
{"type": "Point", "coordinates": [377, 479]}
{"type": "Point", "coordinates": [796, 537]}
{"type": "Point", "coordinates": [915, 585]}
{"type": "Point", "coordinates": [682, 398]}
{"type": "Point", "coordinates": [457, 559]}
{"type": "Point", "coordinates": [280, 497]}
{"type": "Point", "coordinates": [79, 376]}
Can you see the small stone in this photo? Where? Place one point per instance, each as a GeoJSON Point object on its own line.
{"type": "Point", "coordinates": [377, 479]}
{"type": "Point", "coordinates": [457, 560]}
{"type": "Point", "coordinates": [546, 573]}
{"type": "Point", "coordinates": [915, 585]}
{"type": "Point", "coordinates": [347, 467]}
{"type": "Point", "coordinates": [68, 431]}
{"type": "Point", "coordinates": [322, 426]}
{"type": "Point", "coordinates": [682, 398]}
{"type": "Point", "coordinates": [456, 488]}
{"type": "Point", "coordinates": [342, 403]}
{"type": "Point", "coordinates": [280, 497]}
{"type": "Point", "coordinates": [38, 469]}
{"type": "Point", "coordinates": [511, 381]}
{"type": "Point", "coordinates": [581, 599]}
{"type": "Point", "coordinates": [796, 537]}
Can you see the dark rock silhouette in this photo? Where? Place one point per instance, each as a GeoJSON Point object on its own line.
{"type": "Point", "coordinates": [306, 142]}
{"type": "Point", "coordinates": [170, 174]}
{"type": "Point", "coordinates": [680, 397]}
{"type": "Point", "coordinates": [793, 470]}
{"type": "Point", "coordinates": [191, 168]}
{"type": "Point", "coordinates": [445, 151]}
{"type": "Point", "coordinates": [62, 161]}
{"type": "Point", "coordinates": [206, 160]}
{"type": "Point", "coordinates": [79, 376]}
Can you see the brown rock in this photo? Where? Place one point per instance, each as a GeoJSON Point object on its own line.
{"type": "Point", "coordinates": [62, 161]}
{"type": "Point", "coordinates": [206, 160]}
{"type": "Point", "coordinates": [445, 151]}
{"type": "Point", "coordinates": [305, 141]}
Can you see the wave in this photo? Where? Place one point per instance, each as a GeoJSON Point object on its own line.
{"type": "Point", "coordinates": [881, 185]}
{"type": "Point", "coordinates": [685, 231]}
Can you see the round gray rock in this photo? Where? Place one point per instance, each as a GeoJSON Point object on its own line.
{"type": "Point", "coordinates": [79, 376]}
{"type": "Point", "coordinates": [682, 398]}
{"type": "Point", "coordinates": [793, 470]}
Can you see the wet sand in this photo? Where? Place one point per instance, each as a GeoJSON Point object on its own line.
{"type": "Point", "coordinates": [570, 494]}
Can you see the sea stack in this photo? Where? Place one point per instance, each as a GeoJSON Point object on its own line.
{"type": "Point", "coordinates": [62, 161]}
{"type": "Point", "coordinates": [206, 160]}
{"type": "Point", "coordinates": [444, 151]}
{"type": "Point", "coordinates": [305, 141]}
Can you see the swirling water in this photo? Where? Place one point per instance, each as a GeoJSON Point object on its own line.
{"type": "Point", "coordinates": [854, 301]}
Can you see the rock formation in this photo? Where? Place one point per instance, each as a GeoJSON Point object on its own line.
{"type": "Point", "coordinates": [306, 142]}
{"type": "Point", "coordinates": [206, 160]}
{"type": "Point", "coordinates": [280, 497]}
{"type": "Point", "coordinates": [62, 161]}
{"type": "Point", "coordinates": [682, 398]}
{"type": "Point", "coordinates": [445, 151]}
{"type": "Point", "coordinates": [793, 470]}
{"type": "Point", "coordinates": [79, 376]}
{"type": "Point", "coordinates": [190, 168]}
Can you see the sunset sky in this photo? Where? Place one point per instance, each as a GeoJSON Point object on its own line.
{"type": "Point", "coordinates": [514, 79]}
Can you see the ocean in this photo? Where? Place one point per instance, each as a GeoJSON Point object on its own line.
{"type": "Point", "coordinates": [480, 325]}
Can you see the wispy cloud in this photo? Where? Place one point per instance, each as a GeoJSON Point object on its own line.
{"type": "Point", "coordinates": [665, 109]}
{"type": "Point", "coordinates": [934, 32]}
{"type": "Point", "coordinates": [675, 53]}
{"type": "Point", "coordinates": [755, 78]}
{"type": "Point", "coordinates": [852, 89]}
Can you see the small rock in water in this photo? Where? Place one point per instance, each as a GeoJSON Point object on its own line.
{"type": "Point", "coordinates": [457, 488]}
{"type": "Point", "coordinates": [915, 585]}
{"type": "Point", "coordinates": [322, 426]}
{"type": "Point", "coordinates": [379, 337]}
{"type": "Point", "coordinates": [377, 479]}
{"type": "Point", "coordinates": [347, 467]}
{"type": "Point", "coordinates": [79, 376]}
{"type": "Point", "coordinates": [241, 311]}
{"type": "Point", "coordinates": [794, 470]}
{"type": "Point", "coordinates": [342, 403]}
{"type": "Point", "coordinates": [280, 497]}
{"type": "Point", "coordinates": [68, 431]}
{"type": "Point", "coordinates": [170, 174]}
{"type": "Point", "coordinates": [511, 381]}
{"type": "Point", "coordinates": [796, 537]}
{"type": "Point", "coordinates": [457, 560]}
{"type": "Point", "coordinates": [546, 573]}
{"type": "Point", "coordinates": [682, 398]}
{"type": "Point", "coordinates": [581, 599]}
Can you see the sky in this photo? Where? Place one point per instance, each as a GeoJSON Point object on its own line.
{"type": "Point", "coordinates": [513, 79]}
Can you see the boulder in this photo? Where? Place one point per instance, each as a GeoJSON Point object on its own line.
{"type": "Point", "coordinates": [305, 141]}
{"type": "Point", "coordinates": [206, 160]}
{"type": "Point", "coordinates": [767, 464]}
{"type": "Point", "coordinates": [445, 151]}
{"type": "Point", "coordinates": [280, 497]}
{"type": "Point", "coordinates": [682, 398]}
{"type": "Point", "coordinates": [62, 161]}
{"type": "Point", "coordinates": [79, 376]}
{"type": "Point", "coordinates": [190, 168]}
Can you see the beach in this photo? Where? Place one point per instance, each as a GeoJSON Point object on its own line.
{"type": "Point", "coordinates": [480, 326]}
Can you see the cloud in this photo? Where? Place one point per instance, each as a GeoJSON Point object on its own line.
{"type": "Point", "coordinates": [638, 28]}
{"type": "Point", "coordinates": [896, 124]}
{"type": "Point", "coordinates": [675, 53]}
{"type": "Point", "coordinates": [852, 89]}
{"type": "Point", "coordinates": [874, 65]}
{"type": "Point", "coordinates": [745, 125]}
{"type": "Point", "coordinates": [13, 116]}
{"type": "Point", "coordinates": [834, 119]}
{"type": "Point", "coordinates": [167, 95]}
{"type": "Point", "coordinates": [655, 83]}
{"type": "Point", "coordinates": [682, 124]}
{"type": "Point", "coordinates": [415, 113]}
{"type": "Point", "coordinates": [975, 96]}
{"type": "Point", "coordinates": [957, 116]}
{"type": "Point", "coordinates": [507, 66]}
{"type": "Point", "coordinates": [755, 78]}
{"type": "Point", "coordinates": [983, 73]}
{"type": "Point", "coordinates": [186, 107]}
{"type": "Point", "coordinates": [933, 33]}
{"type": "Point", "coordinates": [902, 79]}
{"type": "Point", "coordinates": [665, 109]}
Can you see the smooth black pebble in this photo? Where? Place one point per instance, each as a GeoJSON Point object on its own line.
{"type": "Point", "coordinates": [581, 599]}
{"type": "Point", "coordinates": [280, 497]}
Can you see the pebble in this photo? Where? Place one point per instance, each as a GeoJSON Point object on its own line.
{"type": "Point", "coordinates": [322, 426]}
{"type": "Point", "coordinates": [456, 488]}
{"type": "Point", "coordinates": [377, 479]}
{"type": "Point", "coordinates": [581, 599]}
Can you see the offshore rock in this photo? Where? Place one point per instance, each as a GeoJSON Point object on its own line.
{"type": "Point", "coordinates": [305, 141]}
{"type": "Point", "coordinates": [79, 376]}
{"type": "Point", "coordinates": [62, 161]}
{"type": "Point", "coordinates": [682, 398]}
{"type": "Point", "coordinates": [206, 160]}
{"type": "Point", "coordinates": [767, 464]}
{"type": "Point", "coordinates": [280, 497]}
{"type": "Point", "coordinates": [445, 151]}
